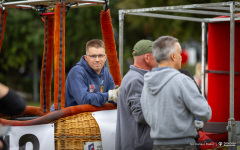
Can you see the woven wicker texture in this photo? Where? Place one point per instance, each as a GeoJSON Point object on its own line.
{"type": "Point", "coordinates": [71, 132]}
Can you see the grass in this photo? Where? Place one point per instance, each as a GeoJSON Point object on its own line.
{"type": "Point", "coordinates": [32, 103]}
{"type": "Point", "coordinates": [36, 104]}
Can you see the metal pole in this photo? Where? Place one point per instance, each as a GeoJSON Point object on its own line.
{"type": "Point", "coordinates": [168, 16]}
{"type": "Point", "coordinates": [203, 58]}
{"type": "Point", "coordinates": [121, 26]}
{"type": "Point", "coordinates": [231, 121]}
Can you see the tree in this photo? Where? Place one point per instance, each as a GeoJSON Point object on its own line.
{"type": "Point", "coordinates": [23, 31]}
{"type": "Point", "coordinates": [152, 28]}
{"type": "Point", "coordinates": [24, 35]}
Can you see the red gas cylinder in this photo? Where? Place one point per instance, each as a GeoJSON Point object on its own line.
{"type": "Point", "coordinates": [219, 60]}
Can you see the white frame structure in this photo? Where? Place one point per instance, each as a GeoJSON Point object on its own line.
{"type": "Point", "coordinates": [48, 4]}
{"type": "Point", "coordinates": [217, 9]}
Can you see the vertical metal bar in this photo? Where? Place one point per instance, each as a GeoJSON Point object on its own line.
{"type": "Point", "coordinates": [232, 38]}
{"type": "Point", "coordinates": [231, 120]}
{"type": "Point", "coordinates": [203, 58]}
{"type": "Point", "coordinates": [121, 27]}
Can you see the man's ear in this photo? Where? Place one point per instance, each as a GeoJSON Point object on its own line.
{"type": "Point", "coordinates": [172, 56]}
{"type": "Point", "coordinates": [85, 57]}
{"type": "Point", "coordinates": [146, 57]}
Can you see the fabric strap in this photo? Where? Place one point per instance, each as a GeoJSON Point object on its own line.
{"type": "Point", "coordinates": [59, 56]}
{"type": "Point", "coordinates": [47, 63]}
{"type": "Point", "coordinates": [3, 19]}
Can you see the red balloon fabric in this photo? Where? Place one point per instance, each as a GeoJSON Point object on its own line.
{"type": "Point", "coordinates": [184, 55]}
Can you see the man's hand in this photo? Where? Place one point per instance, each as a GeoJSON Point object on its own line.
{"type": "Point", "coordinates": [113, 94]}
{"type": "Point", "coordinates": [3, 90]}
{"type": "Point", "coordinates": [198, 124]}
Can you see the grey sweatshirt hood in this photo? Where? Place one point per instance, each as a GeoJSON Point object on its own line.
{"type": "Point", "coordinates": [166, 75]}
{"type": "Point", "coordinates": [170, 102]}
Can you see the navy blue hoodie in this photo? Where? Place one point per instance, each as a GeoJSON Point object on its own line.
{"type": "Point", "coordinates": [85, 86]}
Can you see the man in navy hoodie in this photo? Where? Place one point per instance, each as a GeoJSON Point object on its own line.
{"type": "Point", "coordinates": [89, 82]}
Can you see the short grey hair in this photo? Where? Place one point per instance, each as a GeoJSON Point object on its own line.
{"type": "Point", "coordinates": [163, 47]}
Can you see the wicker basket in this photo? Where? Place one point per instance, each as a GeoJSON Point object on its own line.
{"type": "Point", "coordinates": [71, 132]}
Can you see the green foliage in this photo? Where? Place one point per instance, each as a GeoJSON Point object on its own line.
{"type": "Point", "coordinates": [32, 103]}
{"type": "Point", "coordinates": [152, 28]}
{"type": "Point", "coordinates": [82, 25]}
{"type": "Point", "coordinates": [24, 35]}
{"type": "Point", "coordinates": [190, 68]}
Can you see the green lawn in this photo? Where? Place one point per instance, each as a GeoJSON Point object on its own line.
{"type": "Point", "coordinates": [32, 103]}
{"type": "Point", "coordinates": [37, 104]}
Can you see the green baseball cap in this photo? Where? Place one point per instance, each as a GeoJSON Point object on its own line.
{"type": "Point", "coordinates": [142, 47]}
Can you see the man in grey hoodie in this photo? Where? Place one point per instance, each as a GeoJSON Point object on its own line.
{"type": "Point", "coordinates": [132, 132]}
{"type": "Point", "coordinates": [170, 100]}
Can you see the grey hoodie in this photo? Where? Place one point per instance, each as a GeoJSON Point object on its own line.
{"type": "Point", "coordinates": [170, 102]}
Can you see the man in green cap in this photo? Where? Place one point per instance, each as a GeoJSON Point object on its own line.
{"type": "Point", "coordinates": [132, 132]}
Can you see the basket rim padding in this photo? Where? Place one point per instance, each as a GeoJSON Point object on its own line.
{"type": "Point", "coordinates": [50, 117]}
